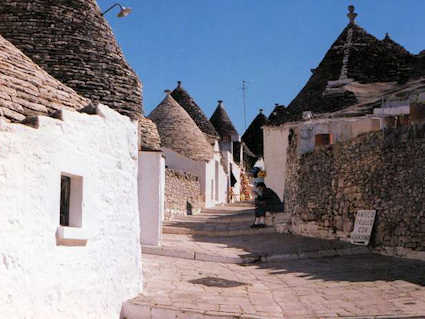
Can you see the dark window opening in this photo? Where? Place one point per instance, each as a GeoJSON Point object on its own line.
{"type": "Point", "coordinates": [323, 139]}
{"type": "Point", "coordinates": [65, 199]}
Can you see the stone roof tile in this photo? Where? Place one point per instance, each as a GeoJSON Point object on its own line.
{"type": "Point", "coordinates": [355, 57]}
{"type": "Point", "coordinates": [27, 90]}
{"type": "Point", "coordinates": [179, 132]}
{"type": "Point", "coordinates": [221, 121]}
{"type": "Point", "coordinates": [188, 103]}
{"type": "Point", "coordinates": [253, 136]}
{"type": "Point", "coordinates": [72, 42]}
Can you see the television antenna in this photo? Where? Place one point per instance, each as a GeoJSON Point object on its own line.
{"type": "Point", "coordinates": [244, 90]}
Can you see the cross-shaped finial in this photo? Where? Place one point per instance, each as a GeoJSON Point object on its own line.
{"type": "Point", "coordinates": [351, 14]}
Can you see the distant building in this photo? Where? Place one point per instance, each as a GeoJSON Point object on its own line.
{"type": "Point", "coordinates": [187, 149]}
{"type": "Point", "coordinates": [228, 136]}
{"type": "Point", "coordinates": [253, 136]}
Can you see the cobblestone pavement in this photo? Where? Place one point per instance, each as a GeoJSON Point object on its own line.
{"type": "Point", "coordinates": [361, 286]}
{"type": "Point", "coordinates": [261, 244]}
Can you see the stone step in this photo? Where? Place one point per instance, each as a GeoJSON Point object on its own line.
{"type": "Point", "coordinates": [214, 219]}
{"type": "Point", "coordinates": [250, 258]}
{"type": "Point", "coordinates": [243, 229]}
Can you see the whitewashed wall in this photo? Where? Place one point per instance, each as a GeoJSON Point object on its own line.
{"type": "Point", "coordinates": [151, 181]}
{"type": "Point", "coordinates": [38, 278]}
{"type": "Point", "coordinates": [215, 195]}
{"type": "Point", "coordinates": [275, 156]}
{"type": "Point", "coordinates": [228, 159]}
{"type": "Point", "coordinates": [182, 163]}
{"type": "Point", "coordinates": [206, 173]}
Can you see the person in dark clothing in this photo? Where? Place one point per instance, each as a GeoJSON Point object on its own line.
{"type": "Point", "coordinates": [266, 200]}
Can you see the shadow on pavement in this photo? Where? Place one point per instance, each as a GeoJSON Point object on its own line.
{"type": "Point", "coordinates": [356, 268]}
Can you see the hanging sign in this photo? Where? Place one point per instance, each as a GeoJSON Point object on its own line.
{"type": "Point", "coordinates": [363, 227]}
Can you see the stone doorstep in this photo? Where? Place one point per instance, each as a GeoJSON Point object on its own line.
{"type": "Point", "coordinates": [253, 258]}
{"type": "Point", "coordinates": [134, 309]}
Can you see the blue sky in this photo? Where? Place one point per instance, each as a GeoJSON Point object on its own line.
{"type": "Point", "coordinates": [212, 45]}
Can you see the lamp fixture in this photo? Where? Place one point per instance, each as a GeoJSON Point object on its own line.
{"type": "Point", "coordinates": [123, 12]}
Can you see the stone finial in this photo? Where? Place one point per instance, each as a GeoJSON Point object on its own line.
{"type": "Point", "coordinates": [220, 102]}
{"type": "Point", "coordinates": [276, 104]}
{"type": "Point", "coordinates": [261, 111]}
{"type": "Point", "coordinates": [167, 92]}
{"type": "Point", "coordinates": [179, 84]}
{"type": "Point", "coordinates": [351, 14]}
{"type": "Point", "coordinates": [387, 36]}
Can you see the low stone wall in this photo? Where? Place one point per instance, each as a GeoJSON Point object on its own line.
{"type": "Point", "coordinates": [182, 194]}
{"type": "Point", "coordinates": [381, 170]}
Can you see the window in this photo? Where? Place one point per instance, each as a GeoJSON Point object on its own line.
{"type": "Point", "coordinates": [322, 139]}
{"type": "Point", "coordinates": [70, 231]}
{"type": "Point", "coordinates": [64, 205]}
{"type": "Point", "coordinates": [71, 200]}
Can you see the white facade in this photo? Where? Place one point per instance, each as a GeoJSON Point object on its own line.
{"type": "Point", "coordinates": [47, 271]}
{"type": "Point", "coordinates": [275, 157]}
{"type": "Point", "coordinates": [151, 180]}
{"type": "Point", "coordinates": [233, 167]}
{"type": "Point", "coordinates": [212, 176]}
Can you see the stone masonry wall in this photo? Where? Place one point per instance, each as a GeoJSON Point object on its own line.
{"type": "Point", "coordinates": [381, 170]}
{"type": "Point", "coordinates": [182, 194]}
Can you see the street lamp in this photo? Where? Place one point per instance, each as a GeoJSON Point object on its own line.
{"type": "Point", "coordinates": [123, 12]}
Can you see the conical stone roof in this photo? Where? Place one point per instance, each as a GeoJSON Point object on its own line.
{"type": "Point", "coordinates": [355, 56]}
{"type": "Point", "coordinates": [221, 121]}
{"type": "Point", "coordinates": [72, 42]}
{"type": "Point", "coordinates": [27, 90]}
{"type": "Point", "coordinates": [188, 103]}
{"type": "Point", "coordinates": [279, 115]}
{"type": "Point", "coordinates": [253, 136]}
{"type": "Point", "coordinates": [179, 132]}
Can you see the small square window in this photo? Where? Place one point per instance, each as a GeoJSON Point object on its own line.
{"type": "Point", "coordinates": [322, 139]}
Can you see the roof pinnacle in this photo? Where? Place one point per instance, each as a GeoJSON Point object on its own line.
{"type": "Point", "coordinates": [351, 14]}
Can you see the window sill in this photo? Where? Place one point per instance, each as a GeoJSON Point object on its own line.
{"type": "Point", "coordinates": [71, 236]}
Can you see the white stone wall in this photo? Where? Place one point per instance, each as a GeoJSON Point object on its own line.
{"type": "Point", "coordinates": [151, 181]}
{"type": "Point", "coordinates": [40, 279]}
{"type": "Point", "coordinates": [275, 157]}
{"type": "Point", "coordinates": [206, 173]}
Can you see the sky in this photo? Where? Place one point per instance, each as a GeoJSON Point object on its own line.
{"type": "Point", "coordinates": [212, 45]}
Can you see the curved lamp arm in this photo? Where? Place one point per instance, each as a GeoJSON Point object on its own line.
{"type": "Point", "coordinates": [123, 12]}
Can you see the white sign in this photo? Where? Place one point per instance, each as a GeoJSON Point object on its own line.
{"type": "Point", "coordinates": [363, 227]}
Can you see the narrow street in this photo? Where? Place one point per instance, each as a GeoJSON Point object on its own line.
{"type": "Point", "coordinates": [200, 275]}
